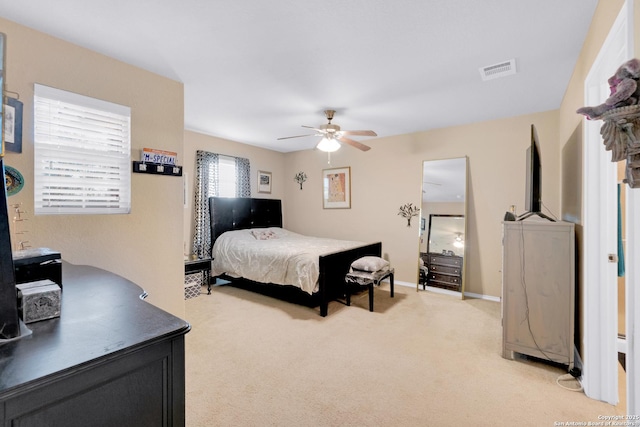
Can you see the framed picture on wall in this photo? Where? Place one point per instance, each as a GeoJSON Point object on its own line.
{"type": "Point", "coordinates": [13, 125]}
{"type": "Point", "coordinates": [264, 182]}
{"type": "Point", "coordinates": [336, 192]}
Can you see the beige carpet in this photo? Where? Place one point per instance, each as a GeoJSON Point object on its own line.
{"type": "Point", "coordinates": [421, 359]}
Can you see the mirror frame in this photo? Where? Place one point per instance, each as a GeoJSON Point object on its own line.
{"type": "Point", "coordinates": [466, 223]}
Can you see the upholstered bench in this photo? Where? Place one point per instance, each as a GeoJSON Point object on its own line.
{"type": "Point", "coordinates": [369, 272]}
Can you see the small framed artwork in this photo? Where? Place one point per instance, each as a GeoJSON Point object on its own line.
{"type": "Point", "coordinates": [336, 192]}
{"type": "Point", "coordinates": [422, 224]}
{"type": "Point", "coordinates": [264, 182]}
{"type": "Point", "coordinates": [13, 125]}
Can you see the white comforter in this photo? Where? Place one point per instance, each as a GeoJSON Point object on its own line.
{"type": "Point", "coordinates": [284, 257]}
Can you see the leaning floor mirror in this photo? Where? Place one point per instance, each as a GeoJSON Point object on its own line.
{"type": "Point", "coordinates": [442, 257]}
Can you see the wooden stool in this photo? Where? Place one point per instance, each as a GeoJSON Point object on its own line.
{"type": "Point", "coordinates": [368, 279]}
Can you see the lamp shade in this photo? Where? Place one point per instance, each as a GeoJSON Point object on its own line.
{"type": "Point", "coordinates": [328, 144]}
{"type": "Point", "coordinates": [458, 242]}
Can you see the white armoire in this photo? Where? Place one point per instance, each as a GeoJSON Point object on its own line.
{"type": "Point", "coordinates": [538, 289]}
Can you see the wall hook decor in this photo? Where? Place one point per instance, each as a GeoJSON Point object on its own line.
{"type": "Point", "coordinates": [408, 211]}
{"type": "Point", "coordinates": [300, 178]}
{"type": "Point", "coordinates": [159, 162]}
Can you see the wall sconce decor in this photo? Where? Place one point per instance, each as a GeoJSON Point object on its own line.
{"type": "Point", "coordinates": [300, 178]}
{"type": "Point", "coordinates": [408, 211]}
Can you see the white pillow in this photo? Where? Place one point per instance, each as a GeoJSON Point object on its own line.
{"type": "Point", "coordinates": [370, 263]}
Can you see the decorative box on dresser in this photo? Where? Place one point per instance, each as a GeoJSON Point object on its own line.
{"type": "Point", "coordinates": [445, 271]}
{"type": "Point", "coordinates": [538, 289]}
{"type": "Point", "coordinates": [110, 359]}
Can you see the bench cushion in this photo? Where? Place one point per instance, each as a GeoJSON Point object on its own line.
{"type": "Point", "coordinates": [365, 278]}
{"type": "Point", "coordinates": [370, 263]}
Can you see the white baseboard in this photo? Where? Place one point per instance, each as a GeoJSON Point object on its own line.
{"type": "Point", "coordinates": [407, 284]}
{"type": "Point", "coordinates": [448, 292]}
{"type": "Point", "coordinates": [481, 296]}
{"type": "Point", "coordinates": [443, 291]}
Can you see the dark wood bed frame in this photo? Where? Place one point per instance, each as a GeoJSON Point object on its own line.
{"type": "Point", "coordinates": [240, 213]}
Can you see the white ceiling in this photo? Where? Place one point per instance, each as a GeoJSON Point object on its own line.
{"type": "Point", "coordinates": [444, 181]}
{"type": "Point", "coordinates": [254, 71]}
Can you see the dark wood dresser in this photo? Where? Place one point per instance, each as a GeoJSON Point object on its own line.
{"type": "Point", "coordinates": [111, 359]}
{"type": "Point", "coordinates": [445, 271]}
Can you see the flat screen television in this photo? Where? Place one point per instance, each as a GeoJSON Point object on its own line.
{"type": "Point", "coordinates": [533, 185]}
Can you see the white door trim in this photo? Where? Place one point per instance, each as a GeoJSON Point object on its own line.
{"type": "Point", "coordinates": [632, 294]}
{"type": "Point", "coordinates": [599, 219]}
{"type": "Point", "coordinates": [632, 298]}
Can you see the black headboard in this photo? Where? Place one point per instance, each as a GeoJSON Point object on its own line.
{"type": "Point", "coordinates": [236, 213]}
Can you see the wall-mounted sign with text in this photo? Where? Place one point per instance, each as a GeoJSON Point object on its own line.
{"type": "Point", "coordinates": [161, 157]}
{"type": "Point", "coordinates": [159, 162]}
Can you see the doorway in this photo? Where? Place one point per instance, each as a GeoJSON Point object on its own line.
{"type": "Point", "coordinates": [600, 219]}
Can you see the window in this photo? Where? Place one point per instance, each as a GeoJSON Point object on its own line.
{"type": "Point", "coordinates": [227, 176]}
{"type": "Point", "coordinates": [216, 175]}
{"type": "Point", "coordinates": [82, 154]}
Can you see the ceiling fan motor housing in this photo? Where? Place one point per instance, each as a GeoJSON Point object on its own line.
{"type": "Point", "coordinates": [329, 128]}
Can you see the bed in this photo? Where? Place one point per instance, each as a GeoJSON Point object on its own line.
{"type": "Point", "coordinates": [260, 218]}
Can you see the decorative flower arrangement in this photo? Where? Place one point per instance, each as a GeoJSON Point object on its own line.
{"type": "Point", "coordinates": [300, 178]}
{"type": "Point", "coordinates": [408, 211]}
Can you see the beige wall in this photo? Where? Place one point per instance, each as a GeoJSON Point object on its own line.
{"type": "Point", "coordinates": [144, 246]}
{"type": "Point", "coordinates": [390, 175]}
{"type": "Point", "coordinates": [603, 19]}
{"type": "Point", "coordinates": [259, 158]}
{"type": "Point", "coordinates": [571, 135]}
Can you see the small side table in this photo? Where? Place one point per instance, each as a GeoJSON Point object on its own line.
{"type": "Point", "coordinates": [200, 266]}
{"type": "Point", "coordinates": [363, 278]}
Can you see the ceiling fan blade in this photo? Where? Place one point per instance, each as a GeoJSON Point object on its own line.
{"type": "Point", "coordinates": [296, 136]}
{"type": "Point", "coordinates": [353, 143]}
{"type": "Point", "coordinates": [311, 127]}
{"type": "Point", "coordinates": [359, 132]}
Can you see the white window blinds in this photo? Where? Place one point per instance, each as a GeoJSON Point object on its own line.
{"type": "Point", "coordinates": [82, 154]}
{"type": "Point", "coordinates": [226, 176]}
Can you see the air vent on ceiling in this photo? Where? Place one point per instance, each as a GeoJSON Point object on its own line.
{"type": "Point", "coordinates": [498, 70]}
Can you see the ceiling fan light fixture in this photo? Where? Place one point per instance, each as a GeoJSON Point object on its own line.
{"type": "Point", "coordinates": [328, 145]}
{"type": "Point", "coordinates": [333, 136]}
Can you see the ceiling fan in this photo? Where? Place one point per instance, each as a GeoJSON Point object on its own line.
{"type": "Point", "coordinates": [332, 135]}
